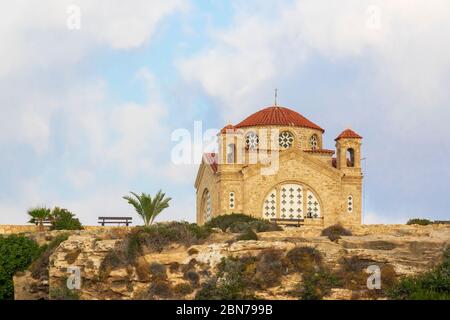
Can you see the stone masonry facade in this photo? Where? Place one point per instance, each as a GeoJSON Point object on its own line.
{"type": "Point", "coordinates": [273, 166]}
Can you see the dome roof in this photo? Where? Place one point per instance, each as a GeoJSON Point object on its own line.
{"type": "Point", "coordinates": [278, 116]}
{"type": "Point", "coordinates": [348, 134]}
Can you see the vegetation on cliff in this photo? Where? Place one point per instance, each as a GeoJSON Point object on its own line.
{"type": "Point", "coordinates": [432, 285]}
{"type": "Point", "coordinates": [335, 232]}
{"type": "Point", "coordinates": [63, 219]}
{"type": "Point", "coordinates": [240, 223]}
{"type": "Point", "coordinates": [60, 219]}
{"type": "Point", "coordinates": [147, 207]}
{"type": "Point", "coordinates": [421, 222]}
{"type": "Point", "coordinates": [16, 254]}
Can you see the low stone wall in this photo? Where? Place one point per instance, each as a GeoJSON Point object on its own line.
{"type": "Point", "coordinates": [16, 229]}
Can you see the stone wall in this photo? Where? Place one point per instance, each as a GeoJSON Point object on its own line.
{"type": "Point", "coordinates": [16, 229]}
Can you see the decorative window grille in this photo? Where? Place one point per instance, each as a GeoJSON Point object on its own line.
{"type": "Point", "coordinates": [291, 202]}
{"type": "Point", "coordinates": [270, 205]}
{"type": "Point", "coordinates": [251, 140]}
{"type": "Point", "coordinates": [207, 207]}
{"type": "Point", "coordinates": [312, 205]}
{"type": "Point", "coordinates": [286, 139]}
{"type": "Point", "coordinates": [313, 142]}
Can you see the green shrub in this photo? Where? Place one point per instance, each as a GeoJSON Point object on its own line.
{"type": "Point", "coordinates": [192, 251]}
{"type": "Point", "coordinates": [158, 236]}
{"type": "Point", "coordinates": [161, 289]}
{"type": "Point", "coordinates": [269, 269]}
{"type": "Point", "coordinates": [352, 272]}
{"type": "Point", "coordinates": [39, 267]}
{"type": "Point", "coordinates": [63, 219]}
{"type": "Point", "coordinates": [183, 289]}
{"type": "Point", "coordinates": [174, 267]}
{"type": "Point", "coordinates": [193, 277]}
{"type": "Point", "coordinates": [316, 285]}
{"type": "Point", "coordinates": [16, 254]}
{"type": "Point", "coordinates": [142, 269]}
{"type": "Point", "coordinates": [158, 271]}
{"type": "Point", "coordinates": [238, 223]}
{"type": "Point", "coordinates": [432, 285]}
{"type": "Point", "coordinates": [115, 259]}
{"type": "Point", "coordinates": [226, 221]}
{"type": "Point", "coordinates": [249, 234]}
{"type": "Point", "coordinates": [422, 222]}
{"type": "Point", "coordinates": [233, 281]}
{"type": "Point", "coordinates": [63, 293]}
{"type": "Point", "coordinates": [335, 232]}
{"type": "Point", "coordinates": [304, 259]}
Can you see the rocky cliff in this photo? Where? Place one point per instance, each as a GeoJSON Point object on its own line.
{"type": "Point", "coordinates": [180, 270]}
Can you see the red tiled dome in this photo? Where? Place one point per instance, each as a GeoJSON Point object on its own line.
{"type": "Point", "coordinates": [278, 116]}
{"type": "Point", "coordinates": [348, 134]}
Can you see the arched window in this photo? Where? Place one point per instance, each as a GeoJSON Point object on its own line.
{"type": "Point", "coordinates": [286, 139]}
{"type": "Point", "coordinates": [206, 206]}
{"type": "Point", "coordinates": [231, 153]}
{"type": "Point", "coordinates": [251, 140]}
{"type": "Point", "coordinates": [313, 142]}
{"type": "Point", "coordinates": [350, 157]}
{"type": "Point", "coordinates": [350, 203]}
{"type": "Point", "coordinates": [232, 200]}
{"type": "Point", "coordinates": [291, 201]}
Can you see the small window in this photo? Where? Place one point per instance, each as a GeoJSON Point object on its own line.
{"type": "Point", "coordinates": [286, 139]}
{"type": "Point", "coordinates": [232, 201]}
{"type": "Point", "coordinates": [251, 140]}
{"type": "Point", "coordinates": [350, 204]}
{"type": "Point", "coordinates": [313, 142]}
{"type": "Point", "coordinates": [231, 153]}
{"type": "Point", "coordinates": [207, 214]}
{"type": "Point", "coordinates": [350, 157]}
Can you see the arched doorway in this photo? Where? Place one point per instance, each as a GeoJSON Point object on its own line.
{"type": "Point", "coordinates": [291, 201]}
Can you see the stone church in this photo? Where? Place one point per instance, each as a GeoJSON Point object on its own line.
{"type": "Point", "coordinates": [272, 165]}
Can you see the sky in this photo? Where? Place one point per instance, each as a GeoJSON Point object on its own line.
{"type": "Point", "coordinates": [92, 91]}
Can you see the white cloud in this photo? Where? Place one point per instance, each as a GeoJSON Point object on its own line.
{"type": "Point", "coordinates": [34, 129]}
{"type": "Point", "coordinates": [407, 53]}
{"type": "Point", "coordinates": [371, 217]}
{"type": "Point", "coordinates": [36, 36]}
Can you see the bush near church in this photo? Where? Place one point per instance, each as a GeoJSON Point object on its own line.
{"type": "Point", "coordinates": [421, 222]}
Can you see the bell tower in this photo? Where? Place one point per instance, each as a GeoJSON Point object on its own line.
{"type": "Point", "coordinates": [348, 152]}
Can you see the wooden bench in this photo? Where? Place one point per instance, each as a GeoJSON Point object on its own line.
{"type": "Point", "coordinates": [115, 220]}
{"type": "Point", "coordinates": [441, 222]}
{"type": "Point", "coordinates": [287, 222]}
{"type": "Point", "coordinates": [44, 222]}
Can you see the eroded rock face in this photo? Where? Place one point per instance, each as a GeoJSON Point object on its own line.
{"type": "Point", "coordinates": [408, 249]}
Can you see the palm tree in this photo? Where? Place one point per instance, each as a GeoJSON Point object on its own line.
{"type": "Point", "coordinates": [39, 215]}
{"type": "Point", "coordinates": [147, 207]}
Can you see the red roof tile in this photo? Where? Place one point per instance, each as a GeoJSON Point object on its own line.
{"type": "Point", "coordinates": [348, 134]}
{"type": "Point", "coordinates": [212, 160]}
{"type": "Point", "coordinates": [228, 128]}
{"type": "Point", "coordinates": [278, 116]}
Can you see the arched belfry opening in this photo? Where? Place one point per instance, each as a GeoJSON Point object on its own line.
{"type": "Point", "coordinates": [350, 157]}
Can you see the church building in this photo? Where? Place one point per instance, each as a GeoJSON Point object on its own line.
{"type": "Point", "coordinates": [272, 165]}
